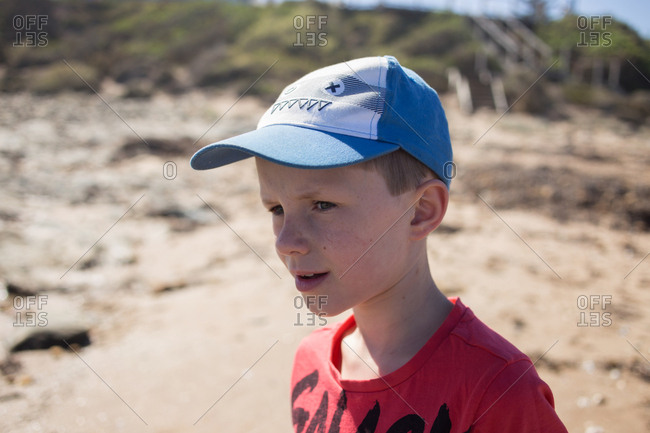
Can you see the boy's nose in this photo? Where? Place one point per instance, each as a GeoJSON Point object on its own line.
{"type": "Point", "coordinates": [290, 240]}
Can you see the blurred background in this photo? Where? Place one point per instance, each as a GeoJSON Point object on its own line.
{"type": "Point", "coordinates": [177, 46]}
{"type": "Point", "coordinates": [136, 293]}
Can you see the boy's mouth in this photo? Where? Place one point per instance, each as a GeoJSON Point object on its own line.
{"type": "Point", "coordinates": [310, 276]}
{"type": "Point", "coordinates": [309, 280]}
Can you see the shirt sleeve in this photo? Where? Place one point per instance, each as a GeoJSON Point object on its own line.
{"type": "Point", "coordinates": [518, 401]}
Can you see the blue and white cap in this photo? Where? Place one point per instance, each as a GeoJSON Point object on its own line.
{"type": "Point", "coordinates": [345, 114]}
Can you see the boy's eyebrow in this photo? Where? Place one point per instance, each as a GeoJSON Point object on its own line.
{"type": "Point", "coordinates": [310, 193]}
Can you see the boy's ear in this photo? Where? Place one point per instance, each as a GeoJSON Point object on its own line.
{"type": "Point", "coordinates": [430, 208]}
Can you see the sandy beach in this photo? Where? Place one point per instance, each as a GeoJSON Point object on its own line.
{"type": "Point", "coordinates": [193, 321]}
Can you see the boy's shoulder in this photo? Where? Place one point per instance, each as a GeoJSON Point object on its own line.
{"type": "Point", "coordinates": [465, 368]}
{"type": "Point", "coordinates": [479, 337]}
{"type": "Point", "coordinates": [461, 331]}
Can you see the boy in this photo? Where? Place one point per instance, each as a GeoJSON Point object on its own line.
{"type": "Point", "coordinates": [352, 162]}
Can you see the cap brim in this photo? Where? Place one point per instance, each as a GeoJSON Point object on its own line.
{"type": "Point", "coordinates": [293, 146]}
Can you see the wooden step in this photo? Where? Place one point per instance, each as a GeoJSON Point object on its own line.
{"type": "Point", "coordinates": [481, 94]}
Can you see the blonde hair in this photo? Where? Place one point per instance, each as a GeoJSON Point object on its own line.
{"type": "Point", "coordinates": [401, 171]}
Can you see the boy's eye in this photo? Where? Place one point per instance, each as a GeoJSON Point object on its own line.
{"type": "Point", "coordinates": [324, 205]}
{"type": "Point", "coordinates": [276, 210]}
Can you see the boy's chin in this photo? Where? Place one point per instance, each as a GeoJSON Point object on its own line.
{"type": "Point", "coordinates": [321, 312]}
{"type": "Point", "coordinates": [326, 312]}
{"type": "Point", "coordinates": [319, 305]}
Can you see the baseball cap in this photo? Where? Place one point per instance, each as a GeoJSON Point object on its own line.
{"type": "Point", "coordinates": [345, 114]}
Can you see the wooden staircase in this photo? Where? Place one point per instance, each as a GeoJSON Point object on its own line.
{"type": "Point", "coordinates": [481, 93]}
{"type": "Point", "coordinates": [475, 91]}
{"type": "Point", "coordinates": [511, 43]}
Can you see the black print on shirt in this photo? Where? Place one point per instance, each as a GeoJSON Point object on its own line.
{"type": "Point", "coordinates": [410, 423]}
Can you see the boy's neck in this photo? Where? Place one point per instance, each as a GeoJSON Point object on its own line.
{"type": "Point", "coordinates": [390, 330]}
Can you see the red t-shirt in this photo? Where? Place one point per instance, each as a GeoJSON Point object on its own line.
{"type": "Point", "coordinates": [465, 378]}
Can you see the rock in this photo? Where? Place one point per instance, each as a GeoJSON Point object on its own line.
{"type": "Point", "coordinates": [43, 321]}
{"type": "Point", "coordinates": [589, 366]}
{"type": "Point", "coordinates": [614, 374]}
{"type": "Point", "coordinates": [9, 367]}
{"type": "Point", "coordinates": [583, 402]}
{"type": "Point", "coordinates": [153, 146]}
{"type": "Point", "coordinates": [18, 289]}
{"type": "Point", "coordinates": [598, 399]}
{"type": "Point", "coordinates": [45, 337]}
{"type": "Point", "coordinates": [10, 396]}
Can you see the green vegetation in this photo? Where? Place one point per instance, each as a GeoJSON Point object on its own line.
{"type": "Point", "coordinates": [176, 45]}
{"type": "Point", "coordinates": [607, 41]}
{"type": "Point", "coordinates": [226, 44]}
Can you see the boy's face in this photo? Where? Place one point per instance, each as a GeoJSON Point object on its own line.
{"type": "Point", "coordinates": [340, 233]}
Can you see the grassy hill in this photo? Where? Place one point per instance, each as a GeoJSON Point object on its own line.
{"type": "Point", "coordinates": [177, 45]}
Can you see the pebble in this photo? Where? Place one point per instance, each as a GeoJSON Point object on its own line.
{"type": "Point", "coordinates": [597, 399]}
{"type": "Point", "coordinates": [24, 380]}
{"type": "Point", "coordinates": [589, 366]}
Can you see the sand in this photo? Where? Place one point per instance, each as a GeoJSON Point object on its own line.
{"type": "Point", "coordinates": [193, 320]}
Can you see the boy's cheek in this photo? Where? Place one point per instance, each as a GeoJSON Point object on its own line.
{"type": "Point", "coordinates": [276, 230]}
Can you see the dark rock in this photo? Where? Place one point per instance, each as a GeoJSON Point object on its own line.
{"type": "Point", "coordinates": [154, 146]}
{"type": "Point", "coordinates": [17, 289]}
{"type": "Point", "coordinates": [44, 338]}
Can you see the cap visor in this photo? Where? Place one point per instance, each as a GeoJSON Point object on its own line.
{"type": "Point", "coordinates": [293, 146]}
